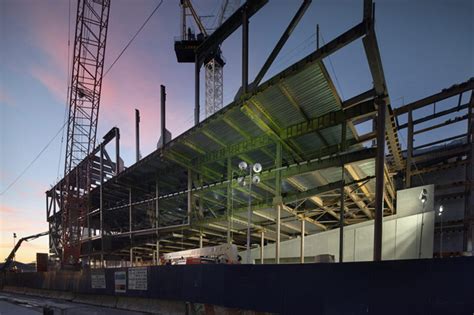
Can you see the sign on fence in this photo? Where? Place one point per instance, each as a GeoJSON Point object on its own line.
{"type": "Point", "coordinates": [98, 280]}
{"type": "Point", "coordinates": [137, 278]}
{"type": "Point", "coordinates": [120, 281]}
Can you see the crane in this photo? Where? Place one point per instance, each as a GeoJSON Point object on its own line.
{"type": "Point", "coordinates": [214, 62]}
{"type": "Point", "coordinates": [84, 100]}
{"type": "Point", "coordinates": [9, 259]}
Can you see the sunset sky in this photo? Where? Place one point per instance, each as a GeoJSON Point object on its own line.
{"type": "Point", "coordinates": [425, 46]}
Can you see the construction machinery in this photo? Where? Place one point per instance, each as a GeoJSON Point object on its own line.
{"type": "Point", "coordinates": [221, 254]}
{"type": "Point", "coordinates": [9, 260]}
{"type": "Point", "coordinates": [84, 100]}
{"type": "Point", "coordinates": [186, 45]}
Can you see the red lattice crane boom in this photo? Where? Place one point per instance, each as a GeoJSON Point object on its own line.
{"type": "Point", "coordinates": [84, 99]}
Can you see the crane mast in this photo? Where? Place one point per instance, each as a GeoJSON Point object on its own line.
{"type": "Point", "coordinates": [214, 66]}
{"type": "Point", "coordinates": [214, 62]}
{"type": "Point", "coordinates": [84, 99]}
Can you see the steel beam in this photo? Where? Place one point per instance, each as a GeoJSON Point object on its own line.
{"type": "Point", "coordinates": [229, 26]}
{"type": "Point", "coordinates": [321, 122]}
{"type": "Point", "coordinates": [444, 94]}
{"type": "Point", "coordinates": [281, 42]}
{"type": "Point", "coordinates": [266, 128]}
{"type": "Point", "coordinates": [297, 168]}
{"type": "Point", "coordinates": [435, 115]}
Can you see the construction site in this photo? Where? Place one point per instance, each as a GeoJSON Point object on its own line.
{"type": "Point", "coordinates": [290, 199]}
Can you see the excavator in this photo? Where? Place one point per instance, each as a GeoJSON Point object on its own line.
{"type": "Point", "coordinates": [9, 260]}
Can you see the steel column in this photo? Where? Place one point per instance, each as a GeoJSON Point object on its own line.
{"type": "Point", "coordinates": [229, 200]}
{"type": "Point", "coordinates": [190, 195]}
{"type": "Point", "coordinates": [468, 191]}
{"type": "Point", "coordinates": [262, 246]}
{"type": "Point", "coordinates": [137, 134]}
{"type": "Point", "coordinates": [101, 206]}
{"type": "Point", "coordinates": [341, 221]}
{"type": "Point", "coordinates": [117, 151]}
{"type": "Point", "coordinates": [163, 115]}
{"type": "Point", "coordinates": [158, 252]}
{"type": "Point", "coordinates": [278, 223]}
{"type": "Point", "coordinates": [249, 215]}
{"type": "Point", "coordinates": [409, 150]}
{"type": "Point", "coordinates": [157, 205]}
{"type": "Point", "coordinates": [200, 238]}
{"type": "Point", "coordinates": [197, 68]}
{"type": "Point", "coordinates": [245, 51]}
{"type": "Point", "coordinates": [130, 222]}
{"type": "Point", "coordinates": [317, 36]}
{"type": "Point", "coordinates": [302, 242]}
{"type": "Point", "coordinates": [157, 221]}
{"type": "Point", "coordinates": [278, 200]}
{"type": "Point", "coordinates": [379, 181]}
{"type": "Point", "coordinates": [341, 212]}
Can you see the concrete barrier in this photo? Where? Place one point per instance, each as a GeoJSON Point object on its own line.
{"type": "Point", "coordinates": [98, 300]}
{"type": "Point", "coordinates": [13, 289]}
{"type": "Point", "coordinates": [151, 305]}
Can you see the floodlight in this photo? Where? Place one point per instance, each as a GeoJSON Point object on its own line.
{"type": "Point", "coordinates": [257, 167]}
{"type": "Point", "coordinates": [256, 179]}
{"type": "Point", "coordinates": [243, 166]}
{"type": "Point", "coordinates": [423, 196]}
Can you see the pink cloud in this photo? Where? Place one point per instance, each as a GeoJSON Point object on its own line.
{"type": "Point", "coordinates": [6, 98]}
{"type": "Point", "coordinates": [6, 210]}
{"type": "Point", "coordinates": [54, 83]}
{"type": "Point", "coordinates": [32, 190]}
{"type": "Point", "coordinates": [132, 83]}
{"type": "Point", "coordinates": [20, 220]}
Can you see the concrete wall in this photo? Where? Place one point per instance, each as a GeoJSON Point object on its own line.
{"type": "Point", "coordinates": [406, 235]}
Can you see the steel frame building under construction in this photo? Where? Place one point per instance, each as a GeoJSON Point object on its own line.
{"type": "Point", "coordinates": [319, 172]}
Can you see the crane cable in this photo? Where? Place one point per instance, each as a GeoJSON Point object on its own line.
{"type": "Point", "coordinates": [67, 88]}
{"type": "Point", "coordinates": [134, 36]}
{"type": "Point", "coordinates": [33, 161]}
